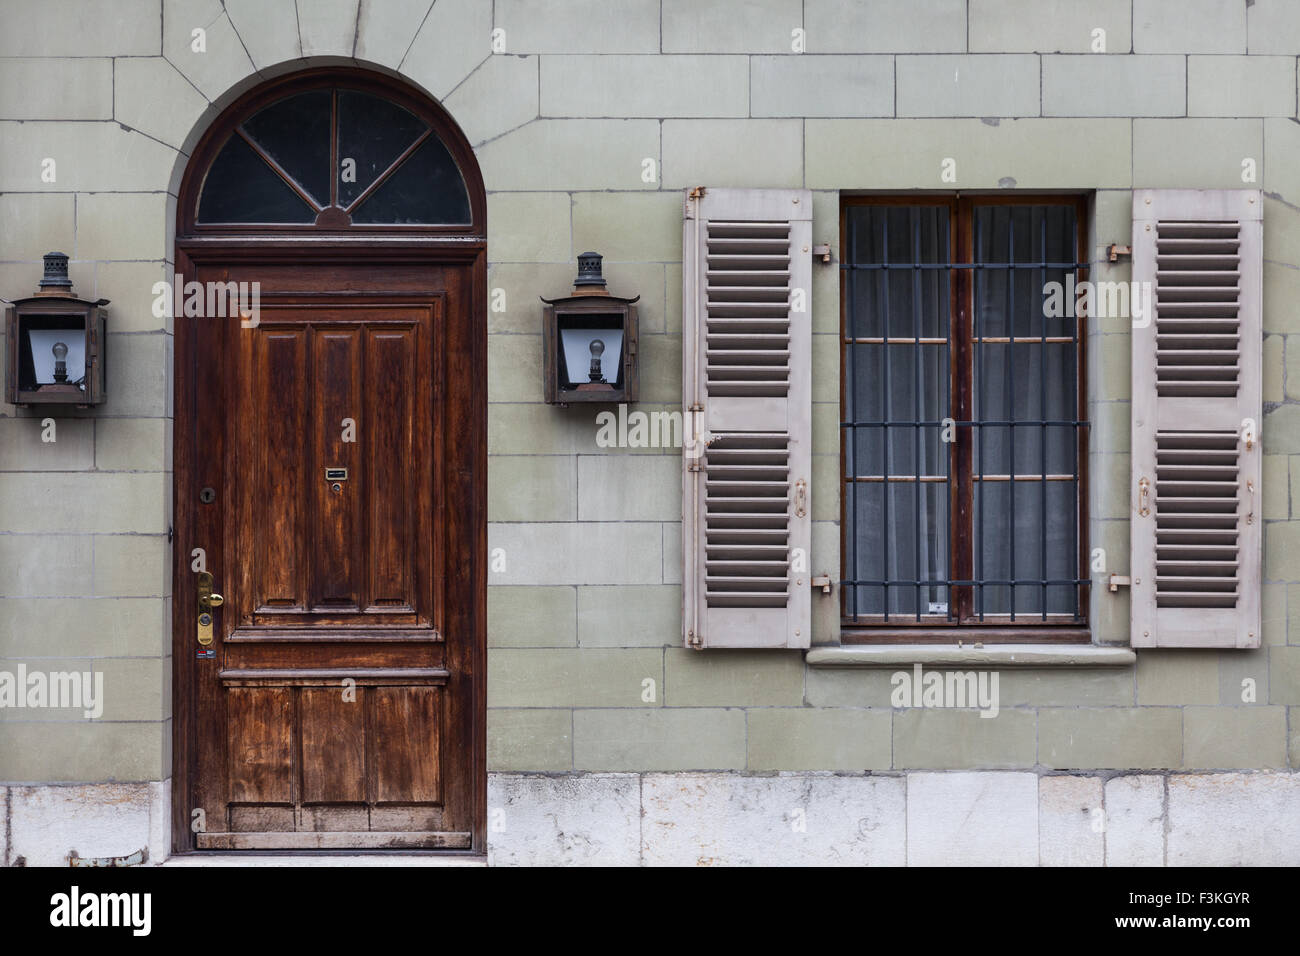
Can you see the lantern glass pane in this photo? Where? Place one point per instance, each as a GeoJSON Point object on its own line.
{"type": "Point", "coordinates": [42, 343]}
{"type": "Point", "coordinates": [577, 345]}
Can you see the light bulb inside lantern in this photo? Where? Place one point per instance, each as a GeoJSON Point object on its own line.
{"type": "Point", "coordinates": [60, 362]}
{"type": "Point", "coordinates": [597, 348]}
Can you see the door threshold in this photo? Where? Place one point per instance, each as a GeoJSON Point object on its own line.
{"type": "Point", "coordinates": [336, 840]}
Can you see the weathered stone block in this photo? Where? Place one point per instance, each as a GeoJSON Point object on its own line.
{"type": "Point", "coordinates": [630, 616]}
{"type": "Point", "coordinates": [269, 29]}
{"type": "Point", "coordinates": [1195, 153]}
{"type": "Point", "coordinates": [532, 739]}
{"type": "Point", "coordinates": [617, 487]}
{"type": "Point", "coordinates": [645, 86]}
{"type": "Point", "coordinates": [1110, 737]}
{"type": "Point", "coordinates": [575, 677]}
{"type": "Point", "coordinates": [531, 488]}
{"type": "Point", "coordinates": [812, 85]}
{"type": "Point", "coordinates": [216, 60]}
{"type": "Point", "coordinates": [1069, 809]}
{"type": "Point", "coordinates": [499, 96]}
{"type": "Point", "coordinates": [554, 154]}
{"type": "Point", "coordinates": [1228, 738]}
{"type": "Point", "coordinates": [659, 738]}
{"type": "Point", "coordinates": [1134, 821]}
{"type": "Point", "coordinates": [809, 820]}
{"type": "Point", "coordinates": [1049, 26]}
{"type": "Point", "coordinates": [522, 616]}
{"type": "Point", "coordinates": [732, 678]}
{"type": "Point", "coordinates": [931, 739]}
{"type": "Point", "coordinates": [1095, 85]}
{"type": "Point", "coordinates": [1241, 85]}
{"type": "Point", "coordinates": [591, 820]}
{"type": "Point", "coordinates": [1215, 819]}
{"type": "Point", "coordinates": [1188, 26]}
{"type": "Point", "coordinates": [972, 819]}
{"type": "Point", "coordinates": [967, 85]}
{"type": "Point", "coordinates": [46, 88]}
{"type": "Point", "coordinates": [773, 151]}
{"type": "Point", "coordinates": [580, 26]}
{"type": "Point", "coordinates": [887, 26]}
{"type": "Point", "coordinates": [71, 28]}
{"type": "Point", "coordinates": [455, 38]}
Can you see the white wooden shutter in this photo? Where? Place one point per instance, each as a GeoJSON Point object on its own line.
{"type": "Point", "coordinates": [1197, 407]}
{"type": "Point", "coordinates": [747, 399]}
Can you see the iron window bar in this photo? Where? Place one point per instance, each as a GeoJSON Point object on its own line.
{"type": "Point", "coordinates": [916, 425]}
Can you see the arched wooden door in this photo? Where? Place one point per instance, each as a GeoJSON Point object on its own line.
{"type": "Point", "coordinates": [330, 471]}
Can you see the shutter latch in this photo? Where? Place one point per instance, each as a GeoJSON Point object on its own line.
{"type": "Point", "coordinates": [1144, 488]}
{"type": "Point", "coordinates": [1118, 581]}
{"type": "Point", "coordinates": [1250, 489]}
{"type": "Point", "coordinates": [801, 499]}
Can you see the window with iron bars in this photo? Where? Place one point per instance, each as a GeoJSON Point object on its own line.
{"type": "Point", "coordinates": [963, 431]}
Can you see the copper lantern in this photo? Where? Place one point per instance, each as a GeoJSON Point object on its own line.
{"type": "Point", "coordinates": [55, 343]}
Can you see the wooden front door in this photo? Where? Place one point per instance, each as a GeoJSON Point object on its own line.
{"type": "Point", "coordinates": [329, 472]}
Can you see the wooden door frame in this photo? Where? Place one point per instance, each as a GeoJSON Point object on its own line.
{"type": "Point", "coordinates": [464, 476]}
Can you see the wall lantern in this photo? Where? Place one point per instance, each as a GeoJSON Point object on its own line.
{"type": "Point", "coordinates": [55, 343]}
{"type": "Point", "coordinates": [589, 342]}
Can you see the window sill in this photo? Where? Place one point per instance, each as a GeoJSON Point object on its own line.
{"type": "Point", "coordinates": [997, 655]}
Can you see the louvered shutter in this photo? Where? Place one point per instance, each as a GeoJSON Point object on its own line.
{"type": "Point", "coordinates": [747, 399]}
{"type": "Point", "coordinates": [1197, 407]}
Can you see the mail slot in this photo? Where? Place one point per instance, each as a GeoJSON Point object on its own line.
{"type": "Point", "coordinates": [336, 474]}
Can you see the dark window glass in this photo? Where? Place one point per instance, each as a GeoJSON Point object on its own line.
{"type": "Point", "coordinates": [295, 132]}
{"type": "Point", "coordinates": [389, 165]}
{"type": "Point", "coordinates": [426, 188]}
{"type": "Point", "coordinates": [373, 133]}
{"type": "Point", "coordinates": [241, 187]}
{"type": "Point", "coordinates": [962, 495]}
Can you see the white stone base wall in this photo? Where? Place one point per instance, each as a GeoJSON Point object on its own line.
{"type": "Point", "coordinates": [915, 819]}
{"type": "Point", "coordinates": [45, 825]}
{"type": "Point", "coordinates": [959, 818]}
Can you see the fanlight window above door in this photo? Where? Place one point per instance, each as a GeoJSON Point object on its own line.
{"type": "Point", "coordinates": [333, 157]}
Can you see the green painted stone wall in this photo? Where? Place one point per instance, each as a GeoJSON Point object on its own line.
{"type": "Point", "coordinates": [589, 119]}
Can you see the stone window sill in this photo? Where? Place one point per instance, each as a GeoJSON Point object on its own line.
{"type": "Point", "coordinates": [996, 655]}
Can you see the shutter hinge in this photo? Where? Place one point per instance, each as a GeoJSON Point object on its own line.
{"type": "Point", "coordinates": [1114, 251]}
{"type": "Point", "coordinates": [1118, 581]}
{"type": "Point", "coordinates": [695, 407]}
{"type": "Point", "coordinates": [696, 193]}
{"type": "Point", "coordinates": [695, 466]}
{"type": "Point", "coordinates": [694, 640]}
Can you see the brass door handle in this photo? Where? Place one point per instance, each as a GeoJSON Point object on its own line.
{"type": "Point", "coordinates": [208, 599]}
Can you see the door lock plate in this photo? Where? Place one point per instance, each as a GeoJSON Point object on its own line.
{"type": "Point", "coordinates": [208, 599]}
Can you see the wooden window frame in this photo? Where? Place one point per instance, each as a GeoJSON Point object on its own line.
{"type": "Point", "coordinates": [900, 629]}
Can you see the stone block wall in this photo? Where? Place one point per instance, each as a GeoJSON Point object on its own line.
{"type": "Point", "coordinates": [589, 119]}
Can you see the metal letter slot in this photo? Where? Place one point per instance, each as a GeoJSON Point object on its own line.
{"type": "Point", "coordinates": [336, 474]}
{"type": "Point", "coordinates": [208, 599]}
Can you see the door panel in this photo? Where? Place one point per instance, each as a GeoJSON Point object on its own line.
{"type": "Point", "coordinates": [335, 709]}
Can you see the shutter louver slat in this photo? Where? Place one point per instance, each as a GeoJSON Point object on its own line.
{"type": "Point", "coordinates": [1196, 409]}
{"type": "Point", "coordinates": [746, 358]}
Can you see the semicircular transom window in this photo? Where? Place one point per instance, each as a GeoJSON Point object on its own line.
{"type": "Point", "coordinates": [334, 157]}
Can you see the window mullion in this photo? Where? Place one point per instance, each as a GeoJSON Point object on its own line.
{"type": "Point", "coordinates": [962, 391]}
